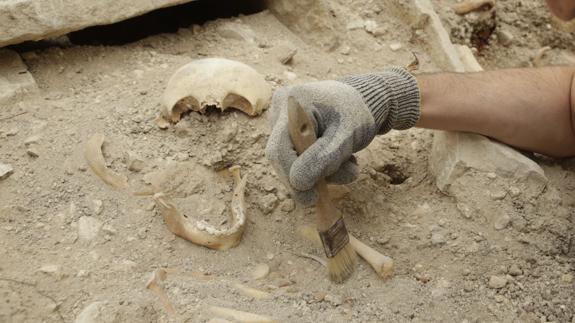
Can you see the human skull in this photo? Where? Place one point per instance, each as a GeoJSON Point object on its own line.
{"type": "Point", "coordinates": [218, 82]}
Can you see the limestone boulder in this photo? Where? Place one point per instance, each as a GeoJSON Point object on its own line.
{"type": "Point", "coordinates": [23, 20]}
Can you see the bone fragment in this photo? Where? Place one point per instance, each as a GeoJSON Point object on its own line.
{"type": "Point", "coordinates": [96, 161]}
{"type": "Point", "coordinates": [251, 292]}
{"type": "Point", "coordinates": [383, 265]}
{"type": "Point", "coordinates": [201, 233]}
{"type": "Point", "coordinates": [155, 286]}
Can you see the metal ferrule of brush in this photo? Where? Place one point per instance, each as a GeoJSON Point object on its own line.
{"type": "Point", "coordinates": [335, 238]}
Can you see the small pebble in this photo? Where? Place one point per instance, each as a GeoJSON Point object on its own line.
{"type": "Point", "coordinates": [502, 221]}
{"type": "Point", "coordinates": [49, 269]}
{"type": "Point", "coordinates": [5, 171]}
{"type": "Point", "coordinates": [334, 300]}
{"type": "Point", "coordinates": [515, 270]}
{"type": "Point", "coordinates": [260, 271]}
{"type": "Point", "coordinates": [497, 282]}
{"type": "Point", "coordinates": [438, 239]}
{"type": "Point", "coordinates": [395, 46]}
{"type": "Point", "coordinates": [288, 205]}
{"type": "Point", "coordinates": [32, 153]}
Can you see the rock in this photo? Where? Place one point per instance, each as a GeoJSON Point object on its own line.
{"type": "Point", "coordinates": [515, 270]}
{"type": "Point", "coordinates": [395, 46]}
{"type": "Point", "coordinates": [465, 210]}
{"type": "Point", "coordinates": [290, 75]}
{"type": "Point", "coordinates": [284, 52]}
{"type": "Point", "coordinates": [31, 140]}
{"type": "Point", "coordinates": [498, 194]}
{"type": "Point", "coordinates": [260, 271]}
{"type": "Point", "coordinates": [504, 37]}
{"type": "Point", "coordinates": [23, 20]}
{"type": "Point", "coordinates": [438, 239]}
{"type": "Point", "coordinates": [98, 312]}
{"type": "Point", "coordinates": [268, 203]}
{"type": "Point", "coordinates": [356, 24]}
{"type": "Point", "coordinates": [567, 278]}
{"type": "Point", "coordinates": [334, 300]}
{"type": "Point", "coordinates": [133, 162]}
{"type": "Point", "coordinates": [5, 170]}
{"type": "Point", "coordinates": [97, 206]}
{"type": "Point", "coordinates": [32, 153]}
{"type": "Point", "coordinates": [288, 205]}
{"type": "Point", "coordinates": [88, 228]}
{"type": "Point", "coordinates": [502, 221]}
{"type": "Point", "coordinates": [454, 154]}
{"type": "Point", "coordinates": [370, 26]}
{"type": "Point", "coordinates": [49, 269]}
{"type": "Point", "coordinates": [497, 282]}
{"type": "Point", "coordinates": [15, 80]}
{"type": "Point", "coordinates": [345, 50]}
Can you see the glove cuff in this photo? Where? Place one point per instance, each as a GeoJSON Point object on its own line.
{"type": "Point", "coordinates": [392, 96]}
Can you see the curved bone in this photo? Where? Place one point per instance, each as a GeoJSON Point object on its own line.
{"type": "Point", "coordinates": [200, 232]}
{"type": "Point", "coordinates": [218, 82]}
{"type": "Point", "coordinates": [96, 161]}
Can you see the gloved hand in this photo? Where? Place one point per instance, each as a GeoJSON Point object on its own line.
{"type": "Point", "coordinates": [347, 115]}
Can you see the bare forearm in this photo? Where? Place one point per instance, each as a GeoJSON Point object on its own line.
{"type": "Point", "coordinates": [563, 9]}
{"type": "Point", "coordinates": [526, 108]}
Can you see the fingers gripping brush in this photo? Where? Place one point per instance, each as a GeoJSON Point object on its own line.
{"type": "Point", "coordinates": [340, 254]}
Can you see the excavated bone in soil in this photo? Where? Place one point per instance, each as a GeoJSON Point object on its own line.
{"type": "Point", "coordinates": [218, 82]}
{"type": "Point", "coordinates": [199, 232]}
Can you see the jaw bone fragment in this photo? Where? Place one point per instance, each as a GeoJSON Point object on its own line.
{"type": "Point", "coordinates": [218, 82]}
{"type": "Point", "coordinates": [200, 232]}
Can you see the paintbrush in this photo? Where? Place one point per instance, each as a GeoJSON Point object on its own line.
{"type": "Point", "coordinates": [330, 225]}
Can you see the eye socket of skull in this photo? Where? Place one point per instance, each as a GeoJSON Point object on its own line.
{"type": "Point", "coordinates": [183, 105]}
{"type": "Point", "coordinates": [233, 100]}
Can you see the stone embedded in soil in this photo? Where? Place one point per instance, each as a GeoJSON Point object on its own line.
{"type": "Point", "coordinates": [32, 153]}
{"type": "Point", "coordinates": [438, 239]}
{"type": "Point", "coordinates": [133, 162]}
{"type": "Point", "coordinates": [515, 270]}
{"type": "Point", "coordinates": [268, 203]}
{"type": "Point", "coordinates": [498, 194]}
{"type": "Point", "coordinates": [5, 171]}
{"type": "Point", "coordinates": [334, 300]}
{"type": "Point", "coordinates": [97, 206]}
{"type": "Point", "coordinates": [88, 228]}
{"type": "Point", "coordinates": [502, 221]}
{"type": "Point", "coordinates": [15, 79]}
{"type": "Point", "coordinates": [49, 269]}
{"type": "Point", "coordinates": [31, 140]}
{"type": "Point", "coordinates": [395, 46]}
{"type": "Point", "coordinates": [284, 52]}
{"type": "Point", "coordinates": [504, 37]}
{"type": "Point", "coordinates": [260, 271]}
{"type": "Point", "coordinates": [454, 154]}
{"type": "Point", "coordinates": [287, 205]}
{"type": "Point", "coordinates": [497, 282]}
{"type": "Point", "coordinates": [98, 312]}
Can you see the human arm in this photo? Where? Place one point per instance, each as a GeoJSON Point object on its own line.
{"type": "Point", "coordinates": [531, 109]}
{"type": "Point", "coordinates": [563, 9]}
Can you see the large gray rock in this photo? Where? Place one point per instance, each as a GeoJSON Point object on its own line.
{"type": "Point", "coordinates": [453, 154]}
{"type": "Point", "coordinates": [15, 79]}
{"type": "Point", "coordinates": [22, 20]}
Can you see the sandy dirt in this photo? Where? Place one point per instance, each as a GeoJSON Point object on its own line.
{"type": "Point", "coordinates": [68, 241]}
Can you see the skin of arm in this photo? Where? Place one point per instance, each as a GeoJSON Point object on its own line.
{"type": "Point", "coordinates": [531, 109]}
{"type": "Point", "coordinates": [563, 9]}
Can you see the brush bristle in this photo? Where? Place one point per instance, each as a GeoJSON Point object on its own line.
{"type": "Point", "coordinates": [342, 265]}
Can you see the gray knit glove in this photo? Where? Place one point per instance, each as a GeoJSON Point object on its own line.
{"type": "Point", "coordinates": [348, 113]}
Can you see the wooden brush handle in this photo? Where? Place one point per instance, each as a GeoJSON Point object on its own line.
{"type": "Point", "coordinates": [302, 133]}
